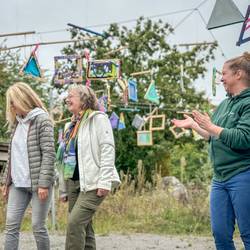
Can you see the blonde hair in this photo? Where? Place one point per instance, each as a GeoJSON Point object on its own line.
{"type": "Point", "coordinates": [87, 96]}
{"type": "Point", "coordinates": [24, 98]}
{"type": "Point", "coordinates": [241, 63]}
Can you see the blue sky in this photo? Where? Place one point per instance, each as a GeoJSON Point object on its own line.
{"type": "Point", "coordinates": [49, 19]}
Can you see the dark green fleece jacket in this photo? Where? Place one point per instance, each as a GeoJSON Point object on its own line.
{"type": "Point", "coordinates": [230, 153]}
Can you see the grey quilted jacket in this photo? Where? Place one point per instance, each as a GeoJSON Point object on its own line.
{"type": "Point", "coordinates": [41, 153]}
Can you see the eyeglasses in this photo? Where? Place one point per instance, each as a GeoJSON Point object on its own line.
{"type": "Point", "coordinates": [71, 96]}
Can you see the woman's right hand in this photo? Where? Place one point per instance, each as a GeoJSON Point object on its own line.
{"type": "Point", "coordinates": [186, 123]}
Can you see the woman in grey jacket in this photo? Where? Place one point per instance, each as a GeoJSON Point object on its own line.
{"type": "Point", "coordinates": [87, 154]}
{"type": "Point", "coordinates": [29, 174]}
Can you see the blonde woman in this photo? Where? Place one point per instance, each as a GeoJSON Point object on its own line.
{"type": "Point", "coordinates": [29, 174]}
{"type": "Point", "coordinates": [87, 155]}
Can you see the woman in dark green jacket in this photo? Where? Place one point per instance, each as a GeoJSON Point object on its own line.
{"type": "Point", "coordinates": [228, 133]}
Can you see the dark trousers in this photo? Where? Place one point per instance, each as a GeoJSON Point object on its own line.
{"type": "Point", "coordinates": [82, 206]}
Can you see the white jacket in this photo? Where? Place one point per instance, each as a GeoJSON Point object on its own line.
{"type": "Point", "coordinates": [96, 154]}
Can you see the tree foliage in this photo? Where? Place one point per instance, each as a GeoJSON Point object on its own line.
{"type": "Point", "coordinates": [147, 48]}
{"type": "Point", "coordinates": [10, 66]}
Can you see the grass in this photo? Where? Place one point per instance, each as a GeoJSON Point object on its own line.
{"type": "Point", "coordinates": [140, 207]}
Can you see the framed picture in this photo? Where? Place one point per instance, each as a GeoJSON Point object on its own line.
{"type": "Point", "coordinates": [177, 132]}
{"type": "Point", "coordinates": [144, 138]}
{"type": "Point", "coordinates": [68, 69]}
{"type": "Point", "coordinates": [157, 122]}
{"type": "Point", "coordinates": [132, 90]}
{"type": "Point", "coordinates": [104, 69]}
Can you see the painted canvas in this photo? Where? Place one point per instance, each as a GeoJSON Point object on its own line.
{"type": "Point", "coordinates": [104, 69]}
{"type": "Point", "coordinates": [68, 69]}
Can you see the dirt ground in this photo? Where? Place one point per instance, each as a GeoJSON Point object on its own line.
{"type": "Point", "coordinates": [129, 242]}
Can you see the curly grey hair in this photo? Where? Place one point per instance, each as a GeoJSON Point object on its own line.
{"type": "Point", "coordinates": [87, 96]}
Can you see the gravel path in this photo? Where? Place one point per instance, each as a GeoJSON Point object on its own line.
{"type": "Point", "coordinates": [129, 242]}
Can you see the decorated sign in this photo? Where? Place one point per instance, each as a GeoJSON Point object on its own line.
{"type": "Point", "coordinates": [121, 124]}
{"type": "Point", "coordinates": [68, 69]}
{"type": "Point", "coordinates": [157, 122]}
{"type": "Point", "coordinates": [132, 90]}
{"type": "Point", "coordinates": [138, 121]}
{"type": "Point", "coordinates": [224, 13]}
{"type": "Point", "coordinates": [114, 120]}
{"type": "Point", "coordinates": [151, 94]}
{"type": "Point", "coordinates": [31, 67]}
{"type": "Point", "coordinates": [177, 132]}
{"type": "Point", "coordinates": [144, 138]}
{"type": "Point", "coordinates": [103, 103]}
{"type": "Point", "coordinates": [104, 69]}
{"type": "Point", "coordinates": [245, 30]}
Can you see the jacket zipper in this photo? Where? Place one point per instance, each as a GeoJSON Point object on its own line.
{"type": "Point", "coordinates": [7, 181]}
{"type": "Point", "coordinates": [28, 154]}
{"type": "Point", "coordinates": [91, 147]}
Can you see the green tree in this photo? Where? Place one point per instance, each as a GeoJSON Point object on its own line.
{"type": "Point", "coordinates": [147, 48]}
{"type": "Point", "coordinates": [10, 66]}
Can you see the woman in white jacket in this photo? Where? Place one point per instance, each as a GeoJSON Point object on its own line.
{"type": "Point", "coordinates": [87, 156]}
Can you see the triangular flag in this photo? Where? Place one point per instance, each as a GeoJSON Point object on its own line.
{"type": "Point", "coordinates": [224, 13]}
{"type": "Point", "coordinates": [121, 124]}
{"type": "Point", "coordinates": [151, 94]}
{"type": "Point", "coordinates": [103, 103]}
{"type": "Point", "coordinates": [32, 67]}
{"type": "Point", "coordinates": [245, 30]}
{"type": "Point", "coordinates": [114, 120]}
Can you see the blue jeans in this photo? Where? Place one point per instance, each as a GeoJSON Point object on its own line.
{"type": "Point", "coordinates": [230, 201]}
{"type": "Point", "coordinates": [18, 200]}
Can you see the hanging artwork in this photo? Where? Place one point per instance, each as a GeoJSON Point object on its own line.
{"type": "Point", "coordinates": [138, 122]}
{"type": "Point", "coordinates": [245, 30]}
{"type": "Point", "coordinates": [118, 90]}
{"type": "Point", "coordinates": [224, 13]}
{"type": "Point", "coordinates": [68, 69]}
{"type": "Point", "coordinates": [152, 94]}
{"type": "Point", "coordinates": [177, 132]}
{"type": "Point", "coordinates": [157, 122]}
{"type": "Point", "coordinates": [114, 120]}
{"type": "Point", "coordinates": [60, 135]}
{"type": "Point", "coordinates": [144, 138]}
{"type": "Point", "coordinates": [103, 103]}
{"type": "Point", "coordinates": [31, 67]}
{"type": "Point", "coordinates": [104, 69]}
{"type": "Point", "coordinates": [216, 79]}
{"type": "Point", "coordinates": [121, 124]}
{"type": "Point", "coordinates": [132, 90]}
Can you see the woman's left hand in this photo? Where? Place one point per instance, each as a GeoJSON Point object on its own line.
{"type": "Point", "coordinates": [102, 192]}
{"type": "Point", "coordinates": [43, 193]}
{"type": "Point", "coordinates": [203, 120]}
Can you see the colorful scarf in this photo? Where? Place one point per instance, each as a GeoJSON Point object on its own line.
{"type": "Point", "coordinates": [66, 153]}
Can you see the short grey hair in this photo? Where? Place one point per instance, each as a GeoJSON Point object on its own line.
{"type": "Point", "coordinates": [87, 96]}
